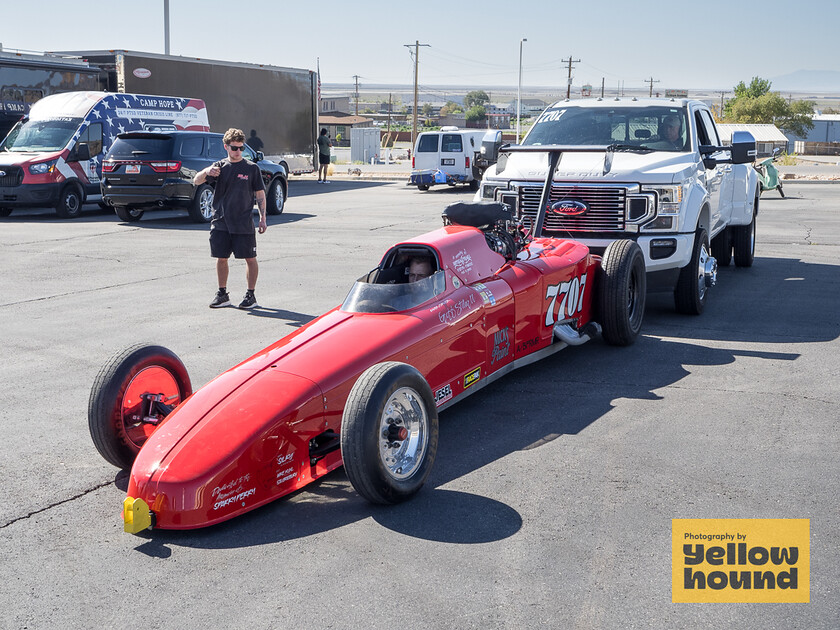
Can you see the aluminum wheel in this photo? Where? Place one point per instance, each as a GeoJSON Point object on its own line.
{"type": "Point", "coordinates": [205, 202]}
{"type": "Point", "coordinates": [403, 433]}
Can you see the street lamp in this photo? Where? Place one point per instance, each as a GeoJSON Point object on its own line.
{"type": "Point", "coordinates": [519, 90]}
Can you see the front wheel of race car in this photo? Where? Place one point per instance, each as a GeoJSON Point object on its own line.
{"type": "Point", "coordinates": [622, 290]}
{"type": "Point", "coordinates": [389, 433]}
{"type": "Point", "coordinates": [132, 394]}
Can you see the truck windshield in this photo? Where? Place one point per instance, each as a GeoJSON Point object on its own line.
{"type": "Point", "coordinates": [660, 128]}
{"type": "Point", "coordinates": [41, 135]}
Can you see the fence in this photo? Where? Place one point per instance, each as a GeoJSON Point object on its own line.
{"type": "Point", "coordinates": [816, 148]}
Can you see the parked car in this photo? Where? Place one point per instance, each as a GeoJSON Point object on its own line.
{"type": "Point", "coordinates": [144, 171]}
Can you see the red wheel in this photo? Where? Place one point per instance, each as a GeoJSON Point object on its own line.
{"type": "Point", "coordinates": [131, 396]}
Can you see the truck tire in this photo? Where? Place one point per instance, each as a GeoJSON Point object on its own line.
{"type": "Point", "coordinates": [70, 202]}
{"type": "Point", "coordinates": [389, 433]}
{"type": "Point", "coordinates": [474, 185]}
{"type": "Point", "coordinates": [743, 241]}
{"type": "Point", "coordinates": [129, 215]}
{"type": "Point", "coordinates": [276, 200]}
{"type": "Point", "coordinates": [722, 247]}
{"type": "Point", "coordinates": [696, 277]}
{"type": "Point", "coordinates": [622, 288]}
{"type": "Point", "coordinates": [201, 208]}
{"type": "Point", "coordinates": [4, 212]}
{"type": "Point", "coordinates": [422, 187]}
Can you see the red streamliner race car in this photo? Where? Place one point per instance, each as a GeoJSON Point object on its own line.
{"type": "Point", "coordinates": [363, 384]}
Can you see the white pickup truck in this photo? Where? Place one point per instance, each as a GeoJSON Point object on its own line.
{"type": "Point", "coordinates": [652, 170]}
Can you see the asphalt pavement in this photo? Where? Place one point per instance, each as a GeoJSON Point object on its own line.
{"type": "Point", "coordinates": [554, 489]}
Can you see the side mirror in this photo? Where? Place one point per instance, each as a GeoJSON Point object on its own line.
{"type": "Point", "coordinates": [260, 156]}
{"type": "Point", "coordinates": [82, 152]}
{"type": "Point", "coordinates": [743, 147]}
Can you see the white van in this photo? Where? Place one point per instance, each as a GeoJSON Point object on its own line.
{"type": "Point", "coordinates": [447, 156]}
{"type": "Point", "coordinates": [53, 156]}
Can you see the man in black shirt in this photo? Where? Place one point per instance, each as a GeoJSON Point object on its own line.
{"type": "Point", "coordinates": [236, 181]}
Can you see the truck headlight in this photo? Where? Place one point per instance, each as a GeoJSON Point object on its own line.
{"type": "Point", "coordinates": [488, 191]}
{"type": "Point", "coordinates": [42, 167]}
{"type": "Point", "coordinates": [669, 198]}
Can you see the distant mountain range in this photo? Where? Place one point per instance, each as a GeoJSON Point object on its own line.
{"type": "Point", "coordinates": [807, 81]}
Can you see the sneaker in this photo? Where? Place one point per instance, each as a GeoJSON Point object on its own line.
{"type": "Point", "coordinates": [249, 301]}
{"type": "Point", "coordinates": [221, 299]}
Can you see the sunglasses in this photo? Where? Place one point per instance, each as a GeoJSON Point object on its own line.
{"type": "Point", "coordinates": [233, 148]}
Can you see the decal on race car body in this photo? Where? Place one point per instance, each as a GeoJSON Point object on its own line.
{"type": "Point", "coordinates": [231, 492]}
{"type": "Point", "coordinates": [501, 345]}
{"type": "Point", "coordinates": [450, 311]}
{"type": "Point", "coordinates": [528, 344]}
{"type": "Point", "coordinates": [569, 295]}
{"type": "Point", "coordinates": [486, 294]}
{"type": "Point", "coordinates": [442, 395]}
{"type": "Point", "coordinates": [286, 474]}
{"type": "Point", "coordinates": [462, 262]}
{"type": "Point", "coordinates": [471, 378]}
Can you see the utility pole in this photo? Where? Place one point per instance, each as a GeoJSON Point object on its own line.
{"type": "Point", "coordinates": [416, 45]}
{"type": "Point", "coordinates": [166, 27]}
{"type": "Point", "coordinates": [389, 114]}
{"type": "Point", "coordinates": [721, 103]}
{"type": "Point", "coordinates": [651, 81]}
{"type": "Point", "coordinates": [356, 77]}
{"type": "Point", "coordinates": [602, 87]}
{"type": "Point", "coordinates": [570, 61]}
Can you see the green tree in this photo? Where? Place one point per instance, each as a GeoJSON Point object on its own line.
{"type": "Point", "coordinates": [756, 104]}
{"type": "Point", "coordinates": [476, 97]}
{"type": "Point", "coordinates": [476, 113]}
{"type": "Point", "coordinates": [451, 107]}
{"type": "Point", "coordinates": [428, 109]}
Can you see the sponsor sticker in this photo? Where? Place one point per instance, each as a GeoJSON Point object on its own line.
{"type": "Point", "coordinates": [501, 345]}
{"type": "Point", "coordinates": [142, 73]}
{"type": "Point", "coordinates": [471, 378]}
{"type": "Point", "coordinates": [442, 395]}
{"type": "Point", "coordinates": [565, 300]}
{"type": "Point", "coordinates": [740, 560]}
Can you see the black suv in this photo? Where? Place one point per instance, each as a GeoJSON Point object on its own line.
{"type": "Point", "coordinates": [145, 170]}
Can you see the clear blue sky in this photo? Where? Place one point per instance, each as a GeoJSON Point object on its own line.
{"type": "Point", "coordinates": [712, 44]}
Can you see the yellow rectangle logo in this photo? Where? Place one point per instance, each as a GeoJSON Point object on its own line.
{"type": "Point", "coordinates": [740, 560]}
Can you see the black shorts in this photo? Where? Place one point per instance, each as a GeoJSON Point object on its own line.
{"type": "Point", "coordinates": [323, 159]}
{"type": "Point", "coordinates": [223, 244]}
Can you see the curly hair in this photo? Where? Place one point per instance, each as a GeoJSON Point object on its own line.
{"type": "Point", "coordinates": [234, 135]}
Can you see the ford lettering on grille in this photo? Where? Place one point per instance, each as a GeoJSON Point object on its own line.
{"type": "Point", "coordinates": [568, 207]}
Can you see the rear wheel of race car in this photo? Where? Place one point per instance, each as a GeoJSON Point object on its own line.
{"type": "Point", "coordinates": [129, 215]}
{"type": "Point", "coordinates": [422, 187]}
{"type": "Point", "coordinates": [276, 198]}
{"type": "Point", "coordinates": [622, 290]}
{"type": "Point", "coordinates": [722, 247]}
{"type": "Point", "coordinates": [389, 433]}
{"type": "Point", "coordinates": [201, 208]}
{"type": "Point", "coordinates": [743, 241]}
{"type": "Point", "coordinates": [70, 202]}
{"type": "Point", "coordinates": [696, 278]}
{"type": "Point", "coordinates": [121, 414]}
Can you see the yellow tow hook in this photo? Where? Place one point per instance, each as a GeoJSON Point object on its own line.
{"type": "Point", "coordinates": [136, 515]}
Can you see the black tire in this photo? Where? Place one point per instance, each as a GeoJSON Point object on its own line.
{"type": "Point", "coordinates": [622, 291]}
{"type": "Point", "coordinates": [781, 190]}
{"type": "Point", "coordinates": [201, 208]}
{"type": "Point", "coordinates": [129, 215]}
{"type": "Point", "coordinates": [743, 242]}
{"type": "Point", "coordinates": [474, 185]}
{"type": "Point", "coordinates": [422, 187]}
{"type": "Point", "coordinates": [276, 200]}
{"type": "Point", "coordinates": [692, 289]}
{"type": "Point", "coordinates": [722, 247]}
{"type": "Point", "coordinates": [376, 446]}
{"type": "Point", "coordinates": [114, 402]}
{"type": "Point", "coordinates": [4, 212]}
{"type": "Point", "coordinates": [70, 202]}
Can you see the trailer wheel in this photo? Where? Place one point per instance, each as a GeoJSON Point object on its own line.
{"type": "Point", "coordinates": [70, 202]}
{"type": "Point", "coordinates": [129, 215]}
{"type": "Point", "coordinates": [121, 411]}
{"type": "Point", "coordinates": [696, 278]}
{"type": "Point", "coordinates": [389, 433]}
{"type": "Point", "coordinates": [276, 197]}
{"type": "Point", "coordinates": [622, 290]}
{"type": "Point", "coordinates": [422, 187]}
{"type": "Point", "coordinates": [201, 208]}
{"type": "Point", "coordinates": [4, 212]}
